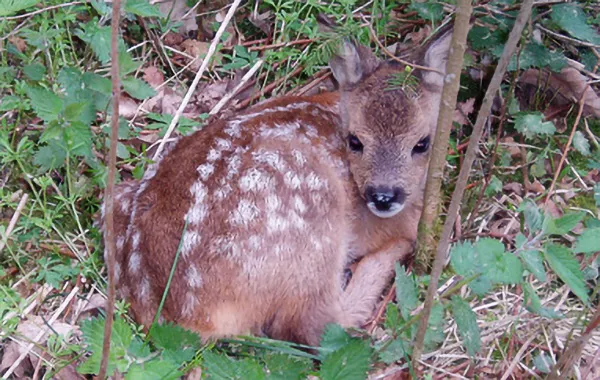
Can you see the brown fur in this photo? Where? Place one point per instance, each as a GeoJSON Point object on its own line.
{"type": "Point", "coordinates": [274, 202]}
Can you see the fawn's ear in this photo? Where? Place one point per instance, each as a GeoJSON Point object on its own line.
{"type": "Point", "coordinates": [435, 57]}
{"type": "Point", "coordinates": [352, 64]}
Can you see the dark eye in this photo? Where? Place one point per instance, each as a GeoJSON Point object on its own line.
{"type": "Point", "coordinates": [422, 146]}
{"type": "Point", "coordinates": [354, 143]}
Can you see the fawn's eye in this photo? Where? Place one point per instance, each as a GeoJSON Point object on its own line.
{"type": "Point", "coordinates": [354, 143]}
{"type": "Point", "coordinates": [422, 146]}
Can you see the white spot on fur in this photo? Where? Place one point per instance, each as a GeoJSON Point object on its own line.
{"type": "Point", "coordinates": [189, 305]}
{"type": "Point", "coordinates": [223, 144]}
{"type": "Point", "coordinates": [296, 220]}
{"type": "Point", "coordinates": [194, 279]}
{"type": "Point", "coordinates": [191, 239]}
{"type": "Point", "coordinates": [233, 166]}
{"type": "Point", "coordinates": [270, 158]}
{"type": "Point", "coordinates": [213, 155]}
{"type": "Point", "coordinates": [314, 182]}
{"type": "Point", "coordinates": [245, 213]}
{"type": "Point", "coordinates": [120, 243]}
{"type": "Point", "coordinates": [135, 240]}
{"type": "Point", "coordinates": [276, 223]}
{"type": "Point", "coordinates": [292, 180]}
{"type": "Point", "coordinates": [255, 180]}
{"type": "Point", "coordinates": [125, 205]}
{"type": "Point", "coordinates": [145, 290]}
{"type": "Point", "coordinates": [117, 272]}
{"type": "Point", "coordinates": [134, 262]}
{"type": "Point", "coordinates": [222, 192]}
{"type": "Point", "coordinates": [299, 157]}
{"type": "Point", "coordinates": [233, 129]}
{"type": "Point", "coordinates": [254, 242]}
{"type": "Point", "coordinates": [205, 170]}
{"type": "Point", "coordinates": [299, 204]}
{"type": "Point", "coordinates": [196, 213]}
{"type": "Point", "coordinates": [198, 191]}
{"type": "Point", "coordinates": [272, 202]}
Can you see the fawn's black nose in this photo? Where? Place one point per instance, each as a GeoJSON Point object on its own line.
{"type": "Point", "coordinates": [383, 197]}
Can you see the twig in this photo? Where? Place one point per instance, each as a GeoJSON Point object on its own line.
{"type": "Point", "coordinates": [205, 62]}
{"type": "Point", "coordinates": [42, 10]}
{"type": "Point", "coordinates": [109, 242]}
{"type": "Point", "coordinates": [461, 183]}
{"type": "Point", "coordinates": [564, 155]}
{"type": "Point", "coordinates": [518, 357]}
{"type": "Point", "coordinates": [233, 92]}
{"type": "Point", "coordinates": [14, 220]}
{"type": "Point", "coordinates": [566, 38]}
{"type": "Point", "coordinates": [269, 88]}
{"type": "Point", "coordinates": [43, 332]}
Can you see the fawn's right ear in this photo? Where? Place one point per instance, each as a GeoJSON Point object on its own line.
{"type": "Point", "coordinates": [352, 64]}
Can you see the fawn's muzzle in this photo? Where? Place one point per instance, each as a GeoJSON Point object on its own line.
{"type": "Point", "coordinates": [384, 201]}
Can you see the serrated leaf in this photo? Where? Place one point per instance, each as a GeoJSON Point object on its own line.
{"type": "Point", "coordinates": [534, 219]}
{"type": "Point", "coordinates": [465, 261]}
{"type": "Point", "coordinates": [494, 187]}
{"type": "Point", "coordinates": [533, 303]}
{"type": "Point", "coordinates": [93, 336]}
{"type": "Point", "coordinates": [483, 38]}
{"type": "Point", "coordinates": [500, 266]}
{"type": "Point", "coordinates": [46, 104]}
{"type": "Point", "coordinates": [74, 111]}
{"type": "Point", "coordinates": [429, 11]}
{"type": "Point", "coordinates": [543, 362]}
{"type": "Point", "coordinates": [573, 20]}
{"type": "Point", "coordinates": [98, 83]}
{"type": "Point", "coordinates": [564, 224]}
{"type": "Point", "coordinates": [393, 320]}
{"type": "Point", "coordinates": [10, 7]}
{"type": "Point", "coordinates": [589, 241]}
{"type": "Point", "coordinates": [142, 8]}
{"type": "Point", "coordinates": [435, 328]}
{"type": "Point", "coordinates": [138, 88]}
{"type": "Point", "coordinates": [50, 156]}
{"type": "Point", "coordinates": [221, 367]}
{"type": "Point", "coordinates": [9, 103]}
{"type": "Point", "coordinates": [567, 268]}
{"type": "Point", "coordinates": [406, 291]}
{"type": "Point", "coordinates": [350, 362]}
{"type": "Point", "coordinates": [597, 194]}
{"type": "Point", "coordinates": [581, 143]}
{"type": "Point", "coordinates": [532, 124]}
{"type": "Point", "coordinates": [537, 55]}
{"type": "Point", "coordinates": [334, 337]}
{"type": "Point", "coordinates": [286, 367]}
{"type": "Point", "coordinates": [466, 321]}
{"type": "Point", "coordinates": [34, 71]}
{"type": "Point", "coordinates": [180, 343]}
{"type": "Point", "coordinates": [78, 137]}
{"type": "Point", "coordinates": [396, 350]}
{"type": "Point", "coordinates": [126, 63]}
{"type": "Point", "coordinates": [534, 262]}
{"type": "Point", "coordinates": [155, 369]}
{"type": "Point", "coordinates": [100, 43]}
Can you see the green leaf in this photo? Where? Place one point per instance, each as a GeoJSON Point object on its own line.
{"type": "Point", "coordinates": [35, 71]}
{"type": "Point", "coordinates": [126, 63]}
{"type": "Point", "coordinates": [350, 362]}
{"type": "Point", "coordinates": [429, 11]}
{"type": "Point", "coordinates": [536, 55]}
{"type": "Point", "coordinates": [597, 194]}
{"type": "Point", "coordinates": [581, 143]}
{"type": "Point", "coordinates": [334, 337]}
{"type": "Point", "coordinates": [564, 224]}
{"type": "Point", "coordinates": [46, 104]}
{"type": "Point", "coordinates": [155, 369]}
{"type": "Point", "coordinates": [98, 83]}
{"type": "Point", "coordinates": [93, 336]}
{"type": "Point", "coordinates": [50, 156]}
{"type": "Point", "coordinates": [221, 367]}
{"type": "Point", "coordinates": [531, 124]}
{"type": "Point", "coordinates": [567, 268]}
{"type": "Point", "coordinates": [100, 43]}
{"type": "Point", "coordinates": [573, 20]}
{"type": "Point", "coordinates": [74, 111]}
{"type": "Point", "coordinates": [533, 216]}
{"type": "Point", "coordinates": [396, 350]}
{"type": "Point", "coordinates": [286, 367]}
{"type": "Point", "coordinates": [406, 291]}
{"type": "Point", "coordinates": [10, 7]}
{"type": "Point", "coordinates": [543, 362]}
{"type": "Point", "coordinates": [466, 262]}
{"type": "Point", "coordinates": [482, 38]}
{"type": "Point", "coordinates": [137, 88]}
{"type": "Point", "coordinates": [393, 320]}
{"type": "Point", "coordinates": [10, 102]}
{"type": "Point", "coordinates": [78, 137]}
{"type": "Point", "coordinates": [500, 266]}
{"type": "Point", "coordinates": [533, 303]}
{"type": "Point", "coordinates": [494, 187]}
{"type": "Point", "coordinates": [434, 335]}
{"type": "Point", "coordinates": [179, 342]}
{"type": "Point", "coordinates": [534, 262]}
{"type": "Point", "coordinates": [466, 321]}
{"type": "Point", "coordinates": [142, 8]}
{"type": "Point", "coordinates": [589, 241]}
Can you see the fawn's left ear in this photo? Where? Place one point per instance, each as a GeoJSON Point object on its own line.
{"type": "Point", "coordinates": [435, 57]}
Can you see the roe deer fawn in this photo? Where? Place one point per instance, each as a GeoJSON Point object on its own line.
{"type": "Point", "coordinates": [278, 200]}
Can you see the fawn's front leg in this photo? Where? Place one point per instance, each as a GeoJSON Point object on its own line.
{"type": "Point", "coordinates": [370, 278]}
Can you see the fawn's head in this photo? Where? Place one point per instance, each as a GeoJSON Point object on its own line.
{"type": "Point", "coordinates": [389, 117]}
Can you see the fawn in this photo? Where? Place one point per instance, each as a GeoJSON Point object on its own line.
{"type": "Point", "coordinates": [269, 207]}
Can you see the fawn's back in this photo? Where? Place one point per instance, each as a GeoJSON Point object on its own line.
{"type": "Point", "coordinates": [268, 208]}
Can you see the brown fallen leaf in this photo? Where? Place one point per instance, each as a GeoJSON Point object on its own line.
{"type": "Point", "coordinates": [127, 107]}
{"type": "Point", "coordinates": [564, 88]}
{"type": "Point", "coordinates": [513, 187]}
{"type": "Point", "coordinates": [420, 35]}
{"type": "Point", "coordinates": [464, 109]}
{"type": "Point", "coordinates": [209, 95]}
{"type": "Point", "coordinates": [515, 151]}
{"type": "Point", "coordinates": [153, 76]}
{"type": "Point", "coordinates": [262, 21]}
{"type": "Point", "coordinates": [177, 10]}
{"type": "Point", "coordinates": [19, 43]}
{"type": "Point", "coordinates": [173, 39]}
{"type": "Point", "coordinates": [11, 353]}
{"type": "Point", "coordinates": [536, 187]}
{"type": "Point", "coordinates": [197, 50]}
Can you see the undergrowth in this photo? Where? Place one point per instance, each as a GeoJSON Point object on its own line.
{"type": "Point", "coordinates": [55, 97]}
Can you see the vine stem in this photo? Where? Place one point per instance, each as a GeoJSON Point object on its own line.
{"type": "Point", "coordinates": [484, 112]}
{"type": "Point", "coordinates": [109, 241]}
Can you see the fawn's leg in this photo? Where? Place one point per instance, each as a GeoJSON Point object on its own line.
{"type": "Point", "coordinates": [370, 278]}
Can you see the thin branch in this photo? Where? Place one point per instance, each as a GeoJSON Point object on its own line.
{"type": "Point", "coordinates": [25, 15]}
{"type": "Point", "coordinates": [109, 242]}
{"type": "Point", "coordinates": [13, 220]}
{"type": "Point", "coordinates": [461, 183]}
{"type": "Point", "coordinates": [237, 88]}
{"type": "Point", "coordinates": [564, 155]}
{"type": "Point", "coordinates": [205, 62]}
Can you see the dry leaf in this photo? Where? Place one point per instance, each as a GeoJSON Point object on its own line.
{"type": "Point", "coordinates": [68, 373]}
{"type": "Point", "coordinates": [177, 9]}
{"type": "Point", "coordinates": [262, 21]}
{"type": "Point", "coordinates": [153, 76]}
{"type": "Point", "coordinates": [513, 187]}
{"type": "Point", "coordinates": [536, 187]}
{"type": "Point", "coordinates": [464, 109]}
{"type": "Point", "coordinates": [515, 151]}
{"type": "Point", "coordinates": [568, 85]}
{"type": "Point", "coordinates": [208, 96]}
{"type": "Point", "coordinates": [551, 208]}
{"type": "Point", "coordinates": [11, 353]}
{"type": "Point", "coordinates": [420, 35]}
{"type": "Point", "coordinates": [127, 107]}
{"type": "Point", "coordinates": [173, 39]}
{"type": "Point", "coordinates": [95, 302]}
{"type": "Point", "coordinates": [19, 43]}
{"type": "Point", "coordinates": [197, 50]}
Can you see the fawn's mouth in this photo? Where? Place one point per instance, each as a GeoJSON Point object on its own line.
{"type": "Point", "coordinates": [393, 210]}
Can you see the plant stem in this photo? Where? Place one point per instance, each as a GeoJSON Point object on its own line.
{"type": "Point", "coordinates": [484, 112]}
{"type": "Point", "coordinates": [109, 241]}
